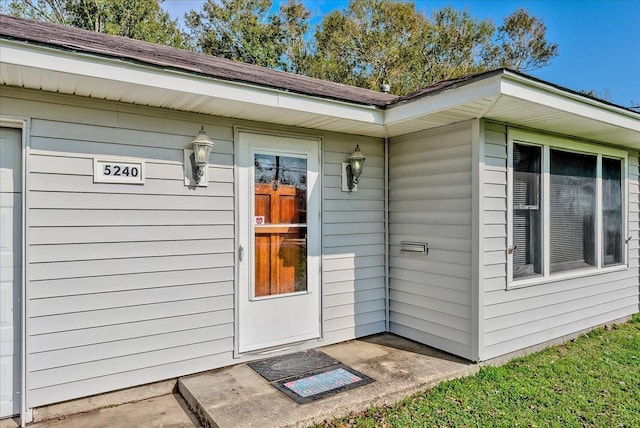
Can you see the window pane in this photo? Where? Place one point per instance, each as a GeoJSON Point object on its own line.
{"type": "Point", "coordinates": [572, 212]}
{"type": "Point", "coordinates": [280, 232]}
{"type": "Point", "coordinates": [612, 211]}
{"type": "Point", "coordinates": [527, 213]}
{"type": "Point", "coordinates": [281, 189]}
{"type": "Point", "coordinates": [280, 261]}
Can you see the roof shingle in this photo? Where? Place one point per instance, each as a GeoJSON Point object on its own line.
{"type": "Point", "coordinates": [75, 39]}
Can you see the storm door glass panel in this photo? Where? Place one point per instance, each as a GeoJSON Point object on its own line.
{"type": "Point", "coordinates": [280, 225]}
{"type": "Point", "coordinates": [572, 223]}
{"type": "Point", "coordinates": [527, 213]}
{"type": "Point", "coordinates": [612, 211]}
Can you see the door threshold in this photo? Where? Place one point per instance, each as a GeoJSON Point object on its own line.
{"type": "Point", "coordinates": [273, 351]}
{"type": "Point", "coordinates": [277, 349]}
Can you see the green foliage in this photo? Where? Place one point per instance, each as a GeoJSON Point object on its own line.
{"type": "Point", "coordinates": [368, 45]}
{"type": "Point", "coordinates": [593, 381]}
{"type": "Point", "coordinates": [521, 44]}
{"type": "Point", "coordinates": [294, 25]}
{"type": "Point", "coordinates": [246, 31]}
{"type": "Point", "coordinates": [136, 19]}
{"type": "Point", "coordinates": [385, 41]}
{"type": "Point", "coordinates": [452, 45]}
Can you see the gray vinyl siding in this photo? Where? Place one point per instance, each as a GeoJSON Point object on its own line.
{"type": "Point", "coordinates": [431, 201]}
{"type": "Point", "coordinates": [125, 284]}
{"type": "Point", "coordinates": [130, 284]}
{"type": "Point", "coordinates": [353, 242]}
{"type": "Point", "coordinates": [522, 317]}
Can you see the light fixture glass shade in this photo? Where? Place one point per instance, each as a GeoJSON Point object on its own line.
{"type": "Point", "coordinates": [357, 161]}
{"type": "Point", "coordinates": [202, 146]}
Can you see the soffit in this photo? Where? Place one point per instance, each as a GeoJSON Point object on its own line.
{"type": "Point", "coordinates": [522, 113]}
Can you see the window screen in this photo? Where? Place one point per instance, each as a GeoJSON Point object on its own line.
{"type": "Point", "coordinates": [572, 222]}
{"type": "Point", "coordinates": [527, 212]}
{"type": "Point", "coordinates": [612, 211]}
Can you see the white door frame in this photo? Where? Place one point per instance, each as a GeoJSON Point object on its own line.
{"type": "Point", "coordinates": [239, 226]}
{"type": "Point", "coordinates": [24, 124]}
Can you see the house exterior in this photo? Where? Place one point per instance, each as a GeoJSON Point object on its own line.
{"type": "Point", "coordinates": [494, 213]}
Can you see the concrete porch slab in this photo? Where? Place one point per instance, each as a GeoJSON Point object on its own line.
{"type": "Point", "coordinates": [168, 410]}
{"type": "Point", "coordinates": [237, 396]}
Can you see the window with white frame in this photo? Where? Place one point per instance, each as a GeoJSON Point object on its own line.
{"type": "Point", "coordinates": [566, 207]}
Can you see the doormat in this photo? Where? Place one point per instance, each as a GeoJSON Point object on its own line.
{"type": "Point", "coordinates": [309, 375]}
{"type": "Point", "coordinates": [322, 383]}
{"type": "Point", "coordinates": [298, 363]}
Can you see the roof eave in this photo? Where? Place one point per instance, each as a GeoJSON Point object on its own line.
{"type": "Point", "coordinates": [539, 105]}
{"type": "Point", "coordinates": [500, 95]}
{"type": "Point", "coordinates": [516, 84]}
{"type": "Point", "coordinates": [118, 80]}
{"type": "Point", "coordinates": [512, 98]}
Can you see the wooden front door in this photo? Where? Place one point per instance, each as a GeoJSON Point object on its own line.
{"type": "Point", "coordinates": [280, 242]}
{"type": "Point", "coordinates": [279, 278]}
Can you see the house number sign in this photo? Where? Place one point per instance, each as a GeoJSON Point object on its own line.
{"type": "Point", "coordinates": [118, 171]}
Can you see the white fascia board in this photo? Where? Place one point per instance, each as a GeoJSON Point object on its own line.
{"type": "Point", "coordinates": [448, 98]}
{"type": "Point", "coordinates": [116, 71]}
{"type": "Point", "coordinates": [550, 96]}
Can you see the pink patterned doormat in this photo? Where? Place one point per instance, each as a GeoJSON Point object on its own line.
{"type": "Point", "coordinates": [309, 375]}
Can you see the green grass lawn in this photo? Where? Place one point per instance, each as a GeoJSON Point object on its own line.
{"type": "Point", "coordinates": [593, 381]}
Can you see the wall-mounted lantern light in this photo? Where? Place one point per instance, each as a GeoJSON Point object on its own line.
{"type": "Point", "coordinates": [351, 171]}
{"type": "Point", "coordinates": [202, 146]}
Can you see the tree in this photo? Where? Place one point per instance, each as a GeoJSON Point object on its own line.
{"type": "Point", "coordinates": [521, 44]}
{"type": "Point", "coordinates": [247, 31]}
{"type": "Point", "coordinates": [369, 44]}
{"type": "Point", "coordinates": [383, 41]}
{"type": "Point", "coordinates": [386, 41]}
{"type": "Point", "coordinates": [136, 19]}
{"type": "Point", "coordinates": [294, 24]}
{"type": "Point", "coordinates": [55, 11]}
{"type": "Point", "coordinates": [452, 45]}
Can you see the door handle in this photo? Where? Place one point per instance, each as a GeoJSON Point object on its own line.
{"type": "Point", "coordinates": [241, 253]}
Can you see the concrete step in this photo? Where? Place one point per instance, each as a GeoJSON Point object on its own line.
{"type": "Point", "coordinates": [165, 411]}
{"type": "Point", "coordinates": [237, 396]}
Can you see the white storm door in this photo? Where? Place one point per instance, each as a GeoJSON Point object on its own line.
{"type": "Point", "coordinates": [279, 224]}
{"type": "Point", "coordinates": [10, 269]}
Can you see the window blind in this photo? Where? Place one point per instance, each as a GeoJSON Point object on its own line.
{"type": "Point", "coordinates": [572, 210]}
{"type": "Point", "coordinates": [527, 239]}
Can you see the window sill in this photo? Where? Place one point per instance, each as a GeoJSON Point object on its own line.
{"type": "Point", "coordinates": [580, 273]}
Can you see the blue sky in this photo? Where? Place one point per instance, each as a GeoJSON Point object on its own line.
{"type": "Point", "coordinates": [599, 41]}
